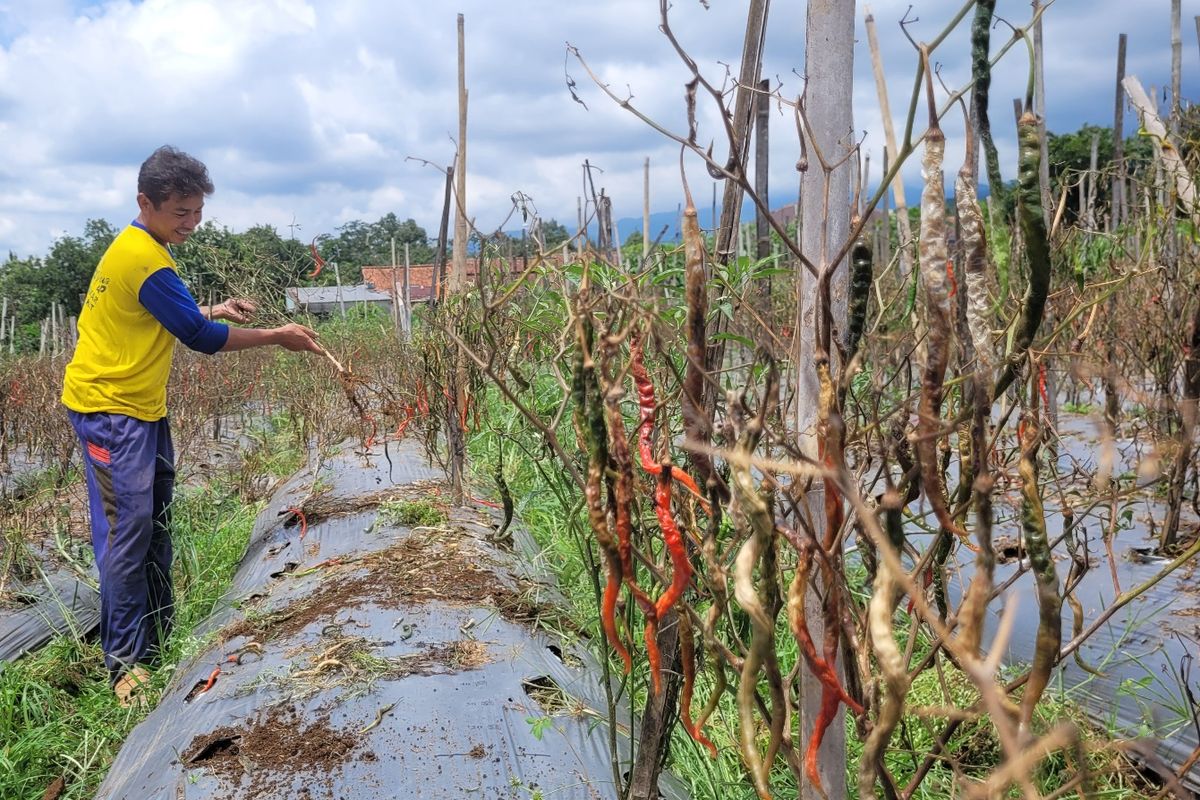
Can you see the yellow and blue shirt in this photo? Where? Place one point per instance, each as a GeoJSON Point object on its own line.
{"type": "Point", "coordinates": [135, 309]}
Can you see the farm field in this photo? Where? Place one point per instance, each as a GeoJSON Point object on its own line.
{"type": "Point", "coordinates": [868, 496]}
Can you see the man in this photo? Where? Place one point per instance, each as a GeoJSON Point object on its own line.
{"type": "Point", "coordinates": [115, 391]}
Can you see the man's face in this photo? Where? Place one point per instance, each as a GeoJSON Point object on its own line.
{"type": "Point", "coordinates": [174, 220]}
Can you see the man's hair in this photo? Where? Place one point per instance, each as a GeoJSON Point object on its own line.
{"type": "Point", "coordinates": [171, 171]}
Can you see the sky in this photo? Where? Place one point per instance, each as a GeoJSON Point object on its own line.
{"type": "Point", "coordinates": [312, 114]}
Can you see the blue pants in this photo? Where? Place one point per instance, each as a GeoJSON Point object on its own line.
{"type": "Point", "coordinates": [130, 467]}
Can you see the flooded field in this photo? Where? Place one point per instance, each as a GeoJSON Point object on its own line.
{"type": "Point", "coordinates": [1139, 675]}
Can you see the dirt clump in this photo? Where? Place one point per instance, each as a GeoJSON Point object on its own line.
{"type": "Point", "coordinates": [422, 567]}
{"type": "Point", "coordinates": [272, 751]}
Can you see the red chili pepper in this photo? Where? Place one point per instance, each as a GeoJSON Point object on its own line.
{"type": "Point", "coordinates": [422, 399]}
{"type": "Point", "coordinates": [409, 415]}
{"type": "Point", "coordinates": [622, 497]}
{"type": "Point", "coordinates": [950, 277]}
{"type": "Point", "coordinates": [687, 653]}
{"type": "Point", "coordinates": [599, 522]}
{"type": "Point", "coordinates": [608, 615]}
{"type": "Point", "coordinates": [303, 521]}
{"type": "Point", "coordinates": [825, 717]}
{"type": "Point", "coordinates": [1042, 385]}
{"type": "Point", "coordinates": [320, 262]}
{"type": "Point", "coordinates": [647, 406]}
{"type": "Point", "coordinates": [681, 566]}
{"type": "Point", "coordinates": [212, 678]}
{"type": "Point", "coordinates": [819, 667]}
{"type": "Point", "coordinates": [674, 541]}
{"type": "Point", "coordinates": [482, 502]}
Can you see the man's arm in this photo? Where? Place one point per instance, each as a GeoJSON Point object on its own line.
{"type": "Point", "coordinates": [235, 309]}
{"type": "Point", "coordinates": [164, 296]}
{"type": "Point", "coordinates": [296, 338]}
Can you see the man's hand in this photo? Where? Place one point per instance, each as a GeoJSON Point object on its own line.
{"type": "Point", "coordinates": [297, 338]}
{"type": "Point", "coordinates": [236, 309]}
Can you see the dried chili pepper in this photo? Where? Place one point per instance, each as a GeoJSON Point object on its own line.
{"type": "Point", "coordinates": [754, 511]}
{"type": "Point", "coordinates": [1037, 546]}
{"type": "Point", "coordinates": [320, 262]}
{"type": "Point", "coordinates": [1037, 247]}
{"type": "Point", "coordinates": [798, 620]}
{"type": "Point", "coordinates": [891, 661]}
{"type": "Point", "coordinates": [860, 293]}
{"type": "Point", "coordinates": [647, 406]}
{"type": "Point", "coordinates": [696, 422]}
{"type": "Point", "coordinates": [933, 257]}
{"type": "Point", "coordinates": [409, 415]}
{"type": "Point", "coordinates": [829, 453]}
{"type": "Point", "coordinates": [975, 258]}
{"type": "Point", "coordinates": [1042, 385]}
{"type": "Point", "coordinates": [597, 456]}
{"type": "Point", "coordinates": [303, 521]}
{"type": "Point", "coordinates": [622, 500]}
{"type": "Point", "coordinates": [687, 654]}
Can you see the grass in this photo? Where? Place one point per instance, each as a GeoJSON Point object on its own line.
{"type": "Point", "coordinates": [58, 717]}
{"type": "Point", "coordinates": [412, 513]}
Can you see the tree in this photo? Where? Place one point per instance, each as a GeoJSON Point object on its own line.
{"type": "Point", "coordinates": [359, 244]}
{"type": "Point", "coordinates": [1070, 158]}
{"type": "Point", "coordinates": [33, 284]}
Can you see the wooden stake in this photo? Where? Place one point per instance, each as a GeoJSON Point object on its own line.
{"type": "Point", "coordinates": [1176, 67]}
{"type": "Point", "coordinates": [762, 231]}
{"type": "Point", "coordinates": [458, 273]}
{"type": "Point", "coordinates": [1176, 171]}
{"type": "Point", "coordinates": [1039, 108]}
{"type": "Point", "coordinates": [1118, 181]}
{"type": "Point", "coordinates": [407, 292]}
{"type": "Point", "coordinates": [395, 290]}
{"type": "Point", "coordinates": [743, 111]}
{"type": "Point", "coordinates": [646, 210]}
{"type": "Point", "coordinates": [904, 227]}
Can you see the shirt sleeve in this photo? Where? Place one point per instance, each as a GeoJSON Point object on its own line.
{"type": "Point", "coordinates": [168, 300]}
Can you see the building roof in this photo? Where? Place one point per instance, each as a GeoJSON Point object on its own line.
{"type": "Point", "coordinates": [361, 293]}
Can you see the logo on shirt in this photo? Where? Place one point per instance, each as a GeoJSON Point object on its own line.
{"type": "Point", "coordinates": [99, 287]}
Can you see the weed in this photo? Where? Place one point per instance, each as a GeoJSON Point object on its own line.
{"type": "Point", "coordinates": [412, 513]}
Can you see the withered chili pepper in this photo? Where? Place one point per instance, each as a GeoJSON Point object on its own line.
{"type": "Point", "coordinates": [647, 406]}
{"type": "Point", "coordinates": [687, 654]}
{"type": "Point", "coordinates": [622, 499]}
{"type": "Point", "coordinates": [586, 428]}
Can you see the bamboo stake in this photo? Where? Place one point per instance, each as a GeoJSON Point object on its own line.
{"type": "Point", "coordinates": [1168, 154]}
{"type": "Point", "coordinates": [739, 128]}
{"type": "Point", "coordinates": [1176, 66]}
{"type": "Point", "coordinates": [903, 225]}
{"type": "Point", "coordinates": [458, 272]}
{"type": "Point", "coordinates": [646, 209]}
{"type": "Point", "coordinates": [395, 291]}
{"type": "Point", "coordinates": [762, 230]}
{"type": "Point", "coordinates": [1090, 212]}
{"type": "Point", "coordinates": [1118, 185]}
{"type": "Point", "coordinates": [1039, 108]}
{"type": "Point", "coordinates": [407, 292]}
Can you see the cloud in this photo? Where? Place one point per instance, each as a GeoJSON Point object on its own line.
{"type": "Point", "coordinates": [307, 112]}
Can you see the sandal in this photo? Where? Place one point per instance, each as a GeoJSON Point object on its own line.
{"type": "Point", "coordinates": [130, 688]}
